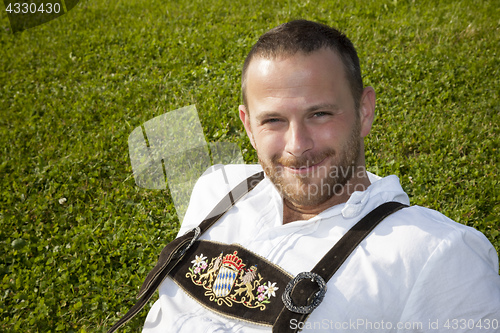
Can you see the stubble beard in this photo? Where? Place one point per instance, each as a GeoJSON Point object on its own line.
{"type": "Point", "coordinates": [306, 190]}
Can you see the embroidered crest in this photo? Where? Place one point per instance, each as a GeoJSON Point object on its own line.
{"type": "Point", "coordinates": [227, 281]}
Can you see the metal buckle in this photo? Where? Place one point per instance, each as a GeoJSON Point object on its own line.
{"type": "Point", "coordinates": [182, 251]}
{"type": "Point", "coordinates": [318, 297]}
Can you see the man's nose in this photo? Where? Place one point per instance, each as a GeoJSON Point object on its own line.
{"type": "Point", "coordinates": [298, 139]}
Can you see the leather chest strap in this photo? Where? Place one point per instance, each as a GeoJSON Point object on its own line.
{"type": "Point", "coordinates": [175, 250]}
{"type": "Point", "coordinates": [255, 287]}
{"type": "Point", "coordinates": [232, 281]}
{"type": "Point", "coordinates": [237, 283]}
{"type": "Point", "coordinates": [306, 291]}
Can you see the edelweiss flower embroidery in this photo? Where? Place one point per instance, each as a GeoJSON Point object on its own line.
{"type": "Point", "coordinates": [270, 289]}
{"type": "Point", "coordinates": [199, 261]}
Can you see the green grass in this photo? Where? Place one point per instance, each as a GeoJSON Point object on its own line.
{"type": "Point", "coordinates": [72, 90]}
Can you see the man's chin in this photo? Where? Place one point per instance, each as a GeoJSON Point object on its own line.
{"type": "Point", "coordinates": [305, 194]}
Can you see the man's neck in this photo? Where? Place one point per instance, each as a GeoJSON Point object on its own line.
{"type": "Point", "coordinates": [293, 212]}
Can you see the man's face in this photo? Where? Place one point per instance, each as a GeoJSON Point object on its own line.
{"type": "Point", "coordinates": [302, 121]}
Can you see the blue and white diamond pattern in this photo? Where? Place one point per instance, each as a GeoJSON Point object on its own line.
{"type": "Point", "coordinates": [224, 281]}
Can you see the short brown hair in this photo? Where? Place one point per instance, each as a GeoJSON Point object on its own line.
{"type": "Point", "coordinates": [306, 37]}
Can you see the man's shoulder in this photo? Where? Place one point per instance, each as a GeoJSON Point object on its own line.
{"type": "Point", "coordinates": [219, 179]}
{"type": "Point", "coordinates": [229, 174]}
{"type": "Point", "coordinates": [418, 219]}
{"type": "Point", "coordinates": [212, 186]}
{"type": "Point", "coordinates": [428, 228]}
{"type": "Point", "coordinates": [432, 221]}
{"type": "Point", "coordinates": [427, 222]}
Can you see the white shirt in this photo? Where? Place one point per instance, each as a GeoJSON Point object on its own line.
{"type": "Point", "coordinates": [418, 271]}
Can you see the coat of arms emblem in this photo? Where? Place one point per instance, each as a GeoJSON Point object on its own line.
{"type": "Point", "coordinates": [226, 280]}
{"type": "Point", "coordinates": [231, 266]}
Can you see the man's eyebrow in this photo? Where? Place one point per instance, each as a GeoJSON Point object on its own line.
{"type": "Point", "coordinates": [326, 106]}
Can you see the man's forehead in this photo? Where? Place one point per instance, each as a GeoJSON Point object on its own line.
{"type": "Point", "coordinates": [262, 65]}
{"type": "Point", "coordinates": [296, 70]}
{"type": "Point", "coordinates": [301, 81]}
{"type": "Point", "coordinates": [277, 66]}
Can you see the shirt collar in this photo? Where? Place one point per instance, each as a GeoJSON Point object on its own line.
{"type": "Point", "coordinates": [381, 190]}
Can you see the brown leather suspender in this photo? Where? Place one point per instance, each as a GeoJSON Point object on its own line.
{"type": "Point", "coordinates": [233, 282]}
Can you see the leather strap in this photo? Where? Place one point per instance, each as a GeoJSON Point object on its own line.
{"type": "Point", "coordinates": [235, 282]}
{"type": "Point", "coordinates": [175, 250]}
{"type": "Point", "coordinates": [306, 292]}
{"type": "Point", "coordinates": [302, 294]}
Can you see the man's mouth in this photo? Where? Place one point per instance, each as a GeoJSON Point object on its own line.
{"type": "Point", "coordinates": [305, 169]}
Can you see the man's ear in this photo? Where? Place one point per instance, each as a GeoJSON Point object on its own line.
{"type": "Point", "coordinates": [367, 110]}
{"type": "Point", "coordinates": [245, 119]}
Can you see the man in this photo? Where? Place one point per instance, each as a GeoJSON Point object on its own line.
{"type": "Point", "coordinates": [306, 113]}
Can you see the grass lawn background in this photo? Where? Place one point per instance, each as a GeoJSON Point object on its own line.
{"type": "Point", "coordinates": [72, 90]}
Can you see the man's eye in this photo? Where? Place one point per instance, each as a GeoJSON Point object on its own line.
{"type": "Point", "coordinates": [320, 114]}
